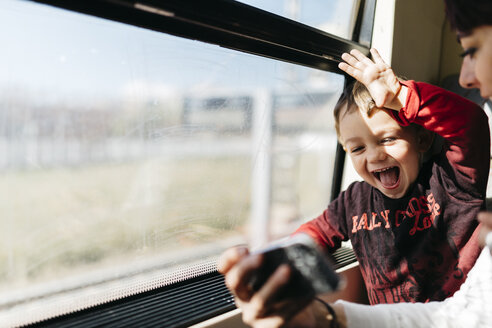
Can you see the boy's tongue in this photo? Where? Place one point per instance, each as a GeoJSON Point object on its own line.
{"type": "Point", "coordinates": [389, 177]}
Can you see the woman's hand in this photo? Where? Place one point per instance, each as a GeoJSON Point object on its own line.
{"type": "Point", "coordinates": [486, 219]}
{"type": "Point", "coordinates": [261, 309]}
{"type": "Point", "coordinates": [377, 76]}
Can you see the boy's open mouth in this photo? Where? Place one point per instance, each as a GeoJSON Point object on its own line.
{"type": "Point", "coordinates": [389, 177]}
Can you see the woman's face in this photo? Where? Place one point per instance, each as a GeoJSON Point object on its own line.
{"type": "Point", "coordinates": [476, 70]}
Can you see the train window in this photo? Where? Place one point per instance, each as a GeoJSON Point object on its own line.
{"type": "Point", "coordinates": [334, 16]}
{"type": "Point", "coordinates": [131, 158]}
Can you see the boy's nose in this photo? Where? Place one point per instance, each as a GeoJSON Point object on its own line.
{"type": "Point", "coordinates": [375, 154]}
{"type": "Point", "coordinates": [467, 74]}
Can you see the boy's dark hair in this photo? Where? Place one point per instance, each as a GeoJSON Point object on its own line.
{"type": "Point", "coordinates": [354, 96]}
{"type": "Point", "coordinates": [465, 15]}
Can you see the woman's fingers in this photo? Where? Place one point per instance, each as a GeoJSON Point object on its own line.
{"type": "Point", "coordinates": [485, 236]}
{"type": "Point", "coordinates": [261, 308]}
{"type": "Point", "coordinates": [486, 219]}
{"type": "Point", "coordinates": [238, 277]}
{"type": "Point", "coordinates": [231, 257]}
{"type": "Point", "coordinates": [269, 291]}
{"type": "Point", "coordinates": [265, 309]}
{"type": "Point", "coordinates": [261, 302]}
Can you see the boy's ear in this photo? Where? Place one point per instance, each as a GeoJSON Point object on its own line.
{"type": "Point", "coordinates": [425, 139]}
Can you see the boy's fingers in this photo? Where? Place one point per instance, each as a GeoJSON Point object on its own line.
{"type": "Point", "coordinates": [352, 61]}
{"type": "Point", "coordinates": [361, 57]}
{"type": "Point", "coordinates": [376, 56]}
{"type": "Point", "coordinates": [230, 257]}
{"type": "Point", "coordinates": [355, 73]}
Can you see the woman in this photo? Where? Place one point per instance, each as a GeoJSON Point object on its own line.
{"type": "Point", "coordinates": [472, 21]}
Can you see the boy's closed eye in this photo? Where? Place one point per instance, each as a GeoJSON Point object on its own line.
{"type": "Point", "coordinates": [356, 149]}
{"type": "Point", "coordinates": [388, 140]}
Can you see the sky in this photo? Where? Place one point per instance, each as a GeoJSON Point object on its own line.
{"type": "Point", "coordinates": [46, 49]}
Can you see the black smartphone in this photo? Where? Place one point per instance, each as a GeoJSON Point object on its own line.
{"type": "Point", "coordinates": [311, 270]}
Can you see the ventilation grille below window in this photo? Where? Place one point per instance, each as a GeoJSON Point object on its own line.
{"type": "Point", "coordinates": [177, 305]}
{"type": "Point", "coordinates": [343, 257]}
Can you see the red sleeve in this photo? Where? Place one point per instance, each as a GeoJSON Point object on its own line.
{"type": "Point", "coordinates": [324, 233]}
{"type": "Point", "coordinates": [462, 123]}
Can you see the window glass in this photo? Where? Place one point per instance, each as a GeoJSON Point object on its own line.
{"type": "Point", "coordinates": [333, 16]}
{"type": "Point", "coordinates": [125, 150]}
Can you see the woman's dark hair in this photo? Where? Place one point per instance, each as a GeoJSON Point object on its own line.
{"type": "Point", "coordinates": [465, 15]}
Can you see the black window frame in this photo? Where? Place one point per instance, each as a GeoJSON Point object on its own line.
{"type": "Point", "coordinates": [241, 27]}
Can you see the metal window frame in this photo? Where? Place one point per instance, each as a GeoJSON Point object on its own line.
{"type": "Point", "coordinates": [226, 23]}
{"type": "Point", "coordinates": [363, 34]}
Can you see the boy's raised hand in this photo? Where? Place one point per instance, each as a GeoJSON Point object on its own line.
{"type": "Point", "coordinates": [376, 75]}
